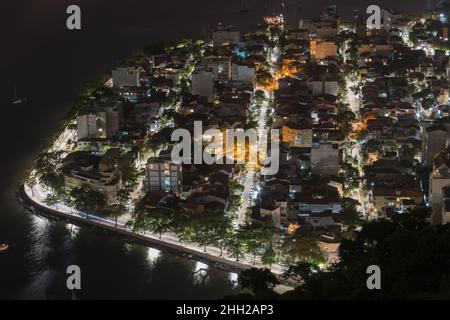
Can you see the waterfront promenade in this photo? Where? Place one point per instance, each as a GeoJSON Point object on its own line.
{"type": "Point", "coordinates": [33, 201]}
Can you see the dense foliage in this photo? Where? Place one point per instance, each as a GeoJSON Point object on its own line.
{"type": "Point", "coordinates": [414, 258]}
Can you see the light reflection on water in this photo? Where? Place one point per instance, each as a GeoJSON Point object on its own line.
{"type": "Point", "coordinates": [200, 274]}
{"type": "Point", "coordinates": [36, 288]}
{"type": "Point", "coordinates": [46, 242]}
{"type": "Point", "coordinates": [73, 230]}
{"type": "Point", "coordinates": [153, 255]}
{"type": "Point", "coordinates": [111, 268]}
{"type": "Point", "coordinates": [39, 242]}
{"type": "Point", "coordinates": [233, 278]}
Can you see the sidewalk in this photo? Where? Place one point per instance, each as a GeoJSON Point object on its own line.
{"type": "Point", "coordinates": [168, 240]}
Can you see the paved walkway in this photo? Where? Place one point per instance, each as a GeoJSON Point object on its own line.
{"type": "Point", "coordinates": [37, 196]}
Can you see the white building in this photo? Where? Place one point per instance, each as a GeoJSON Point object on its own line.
{"type": "Point", "coordinates": [325, 159]}
{"type": "Point", "coordinates": [268, 213]}
{"type": "Point", "coordinates": [435, 140]}
{"type": "Point", "coordinates": [439, 179]}
{"type": "Point", "coordinates": [297, 34]}
{"type": "Point", "coordinates": [125, 76]}
{"type": "Point", "coordinates": [164, 176]}
{"type": "Point", "coordinates": [113, 117]}
{"type": "Point", "coordinates": [307, 24]}
{"type": "Point", "coordinates": [220, 66]}
{"type": "Point", "coordinates": [388, 199]}
{"type": "Point", "coordinates": [102, 122]}
{"type": "Point", "coordinates": [99, 173]}
{"type": "Point", "coordinates": [321, 220]}
{"type": "Point", "coordinates": [324, 85]}
{"type": "Point", "coordinates": [243, 72]}
{"type": "Point", "coordinates": [224, 36]}
{"type": "Point", "coordinates": [326, 31]}
{"type": "Point", "coordinates": [448, 71]}
{"type": "Point", "coordinates": [446, 205]}
{"type": "Point", "coordinates": [322, 49]}
{"type": "Point", "coordinates": [91, 126]}
{"type": "Point", "coordinates": [319, 200]}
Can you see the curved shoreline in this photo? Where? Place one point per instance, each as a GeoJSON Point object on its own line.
{"type": "Point", "coordinates": [33, 207]}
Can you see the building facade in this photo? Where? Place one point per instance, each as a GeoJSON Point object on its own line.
{"type": "Point", "coordinates": [125, 76]}
{"type": "Point", "coordinates": [164, 176]}
{"type": "Point", "coordinates": [203, 83]}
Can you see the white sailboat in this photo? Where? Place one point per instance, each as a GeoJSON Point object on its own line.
{"type": "Point", "coordinates": [16, 99]}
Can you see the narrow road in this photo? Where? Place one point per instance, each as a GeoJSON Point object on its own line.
{"type": "Point", "coordinates": [251, 176]}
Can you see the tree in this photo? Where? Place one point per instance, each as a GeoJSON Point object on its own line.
{"type": "Point", "coordinates": [362, 135]}
{"type": "Point", "coordinates": [117, 210]}
{"type": "Point", "coordinates": [159, 139]}
{"type": "Point", "coordinates": [260, 281]}
{"type": "Point", "coordinates": [269, 257]}
{"type": "Point", "coordinates": [171, 115]}
{"type": "Point", "coordinates": [260, 95]}
{"type": "Point", "coordinates": [202, 231]}
{"type": "Point", "coordinates": [350, 174]}
{"type": "Point", "coordinates": [221, 231]}
{"type": "Point", "coordinates": [85, 199]}
{"type": "Point", "coordinates": [264, 78]}
{"type": "Point", "coordinates": [158, 48]}
{"type": "Point", "coordinates": [182, 226]}
{"type": "Point", "coordinates": [30, 180]}
{"type": "Point", "coordinates": [349, 215]}
{"type": "Point", "coordinates": [45, 169]}
{"type": "Point", "coordinates": [257, 238]}
{"type": "Point", "coordinates": [235, 247]}
{"type": "Point", "coordinates": [157, 221]}
{"type": "Point", "coordinates": [299, 272]}
{"type": "Point", "coordinates": [236, 187]}
{"type": "Point", "coordinates": [411, 254]}
{"type": "Point", "coordinates": [303, 248]}
{"type": "Point", "coordinates": [251, 238]}
{"type": "Point", "coordinates": [54, 182]}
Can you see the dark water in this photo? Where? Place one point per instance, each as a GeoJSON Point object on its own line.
{"type": "Point", "coordinates": [49, 64]}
